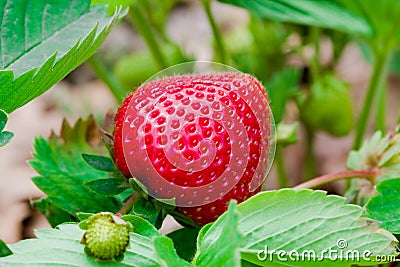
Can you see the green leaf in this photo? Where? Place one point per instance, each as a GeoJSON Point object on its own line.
{"type": "Point", "coordinates": [166, 253]}
{"type": "Point", "coordinates": [100, 163]}
{"type": "Point", "coordinates": [4, 250]}
{"type": "Point", "coordinates": [42, 41]}
{"type": "Point", "coordinates": [304, 221]}
{"type": "Point", "coordinates": [185, 242]}
{"type": "Point", "coordinates": [62, 247]}
{"type": "Point", "coordinates": [379, 152]}
{"type": "Point", "coordinates": [108, 186]}
{"type": "Point", "coordinates": [147, 210]}
{"type": "Point", "coordinates": [219, 246]}
{"type": "Point", "coordinates": [3, 119]}
{"type": "Point", "coordinates": [248, 264]}
{"type": "Point", "coordinates": [202, 233]}
{"type": "Point", "coordinates": [281, 87]}
{"type": "Point", "coordinates": [83, 219]}
{"type": "Point", "coordinates": [326, 14]}
{"type": "Point", "coordinates": [84, 215]}
{"type": "Point", "coordinates": [385, 207]}
{"type": "Point", "coordinates": [53, 214]}
{"type": "Point", "coordinates": [113, 5]}
{"type": "Point", "coordinates": [382, 16]}
{"type": "Point", "coordinates": [63, 172]}
{"type": "Point", "coordinates": [5, 138]}
{"type": "Point", "coordinates": [374, 147]}
{"type": "Point", "coordinates": [141, 226]}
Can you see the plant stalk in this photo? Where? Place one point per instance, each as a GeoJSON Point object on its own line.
{"type": "Point", "coordinates": [315, 60]}
{"type": "Point", "coordinates": [127, 206]}
{"type": "Point", "coordinates": [381, 109]}
{"type": "Point", "coordinates": [100, 69]}
{"type": "Point", "coordinates": [327, 178]}
{"type": "Point", "coordinates": [283, 178]}
{"type": "Point", "coordinates": [216, 31]}
{"type": "Point", "coordinates": [310, 167]}
{"type": "Point", "coordinates": [378, 74]}
{"type": "Point", "coordinates": [144, 28]}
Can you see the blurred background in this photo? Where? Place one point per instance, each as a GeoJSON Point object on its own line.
{"type": "Point", "coordinates": [316, 79]}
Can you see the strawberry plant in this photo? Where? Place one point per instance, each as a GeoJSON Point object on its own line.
{"type": "Point", "coordinates": [195, 142]}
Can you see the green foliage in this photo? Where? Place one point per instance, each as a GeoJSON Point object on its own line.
{"type": "Point", "coordinates": [63, 172]}
{"type": "Point", "coordinates": [80, 180]}
{"type": "Point", "coordinates": [108, 186]}
{"type": "Point", "coordinates": [100, 163]}
{"type": "Point", "coordinates": [5, 136]}
{"type": "Point", "coordinates": [384, 21]}
{"type": "Point", "coordinates": [379, 152]}
{"type": "Point", "coordinates": [316, 13]}
{"type": "Point", "coordinates": [219, 246]}
{"type": "Point", "coordinates": [39, 48]}
{"type": "Point", "coordinates": [382, 16]}
{"type": "Point", "coordinates": [113, 5]}
{"type": "Point", "coordinates": [61, 246]}
{"type": "Point", "coordinates": [158, 11]}
{"type": "Point", "coordinates": [307, 220]}
{"type": "Point", "coordinates": [257, 49]}
{"type": "Point", "coordinates": [54, 214]}
{"type": "Point", "coordinates": [313, 221]}
{"type": "Point", "coordinates": [385, 207]}
{"type": "Point", "coordinates": [185, 242]}
{"type": "Point", "coordinates": [3, 120]}
{"type": "Point", "coordinates": [141, 226]}
{"type": "Point", "coordinates": [4, 250]}
{"type": "Point", "coordinates": [166, 253]}
{"type": "Point", "coordinates": [280, 88]}
{"type": "Point", "coordinates": [148, 210]}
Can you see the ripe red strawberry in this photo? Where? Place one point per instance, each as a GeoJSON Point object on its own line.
{"type": "Point", "coordinates": [200, 139]}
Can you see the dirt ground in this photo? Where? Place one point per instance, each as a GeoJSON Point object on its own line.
{"type": "Point", "coordinates": [81, 95]}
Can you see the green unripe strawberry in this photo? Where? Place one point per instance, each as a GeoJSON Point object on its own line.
{"type": "Point", "coordinates": [329, 106]}
{"type": "Point", "coordinates": [107, 236]}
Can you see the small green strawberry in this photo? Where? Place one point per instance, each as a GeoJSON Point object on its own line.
{"type": "Point", "coordinates": [107, 236]}
{"type": "Point", "coordinates": [329, 106]}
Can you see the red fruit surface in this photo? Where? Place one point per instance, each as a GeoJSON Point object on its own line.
{"type": "Point", "coordinates": [200, 139]}
{"type": "Point", "coordinates": [118, 150]}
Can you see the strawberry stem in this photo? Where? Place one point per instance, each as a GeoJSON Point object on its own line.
{"type": "Point", "coordinates": [381, 109]}
{"type": "Point", "coordinates": [144, 28]}
{"type": "Point", "coordinates": [310, 165]}
{"type": "Point", "coordinates": [283, 178]}
{"type": "Point", "coordinates": [127, 206]}
{"type": "Point", "coordinates": [216, 31]}
{"type": "Point", "coordinates": [327, 178]}
{"type": "Point", "coordinates": [100, 69]}
{"type": "Point", "coordinates": [315, 60]}
{"type": "Point", "coordinates": [378, 74]}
